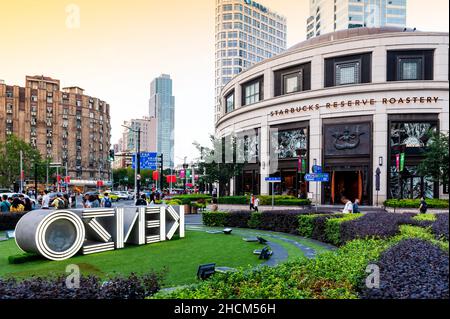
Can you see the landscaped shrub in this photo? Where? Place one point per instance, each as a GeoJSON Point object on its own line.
{"type": "Point", "coordinates": [214, 219]}
{"type": "Point", "coordinates": [375, 225]}
{"type": "Point", "coordinates": [310, 224]}
{"type": "Point", "coordinates": [238, 219]}
{"type": "Point", "coordinates": [333, 228]}
{"type": "Point", "coordinates": [188, 199]}
{"type": "Point", "coordinates": [234, 200]}
{"type": "Point", "coordinates": [8, 221]}
{"type": "Point", "coordinates": [280, 221]}
{"type": "Point", "coordinates": [415, 203]}
{"type": "Point", "coordinates": [332, 275]}
{"type": "Point", "coordinates": [440, 226]}
{"type": "Point", "coordinates": [255, 220]}
{"type": "Point", "coordinates": [412, 269]}
{"type": "Point", "coordinates": [132, 287]}
{"type": "Point", "coordinates": [23, 258]}
{"type": "Point", "coordinates": [265, 200]}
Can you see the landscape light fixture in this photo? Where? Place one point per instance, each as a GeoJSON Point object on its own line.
{"type": "Point", "coordinates": [380, 161]}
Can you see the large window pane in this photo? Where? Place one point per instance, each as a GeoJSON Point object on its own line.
{"type": "Point", "coordinates": [347, 73]}
{"type": "Point", "coordinates": [411, 69]}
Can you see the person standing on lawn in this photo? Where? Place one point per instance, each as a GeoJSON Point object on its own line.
{"type": "Point", "coordinates": [423, 206]}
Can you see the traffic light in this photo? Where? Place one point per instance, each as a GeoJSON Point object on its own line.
{"type": "Point", "coordinates": [111, 155]}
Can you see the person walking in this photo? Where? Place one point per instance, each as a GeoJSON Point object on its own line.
{"type": "Point", "coordinates": [356, 207]}
{"type": "Point", "coordinates": [95, 202]}
{"type": "Point", "coordinates": [348, 209]}
{"type": "Point", "coordinates": [26, 203]}
{"type": "Point", "coordinates": [252, 202]}
{"type": "Point", "coordinates": [45, 200]}
{"type": "Point", "coordinates": [423, 206]}
{"type": "Point", "coordinates": [256, 204]}
{"type": "Point", "coordinates": [5, 205]}
{"type": "Point", "coordinates": [58, 202]}
{"type": "Point", "coordinates": [106, 201]}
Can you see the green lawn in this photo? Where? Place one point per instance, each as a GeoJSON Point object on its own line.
{"type": "Point", "coordinates": [182, 258]}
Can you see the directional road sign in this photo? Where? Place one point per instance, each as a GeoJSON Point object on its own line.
{"type": "Point", "coordinates": [273, 179]}
{"type": "Point", "coordinates": [321, 178]}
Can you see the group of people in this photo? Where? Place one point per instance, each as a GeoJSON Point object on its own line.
{"type": "Point", "coordinates": [94, 201]}
{"type": "Point", "coordinates": [61, 201]}
{"type": "Point", "coordinates": [15, 204]}
{"type": "Point", "coordinates": [254, 203]}
{"type": "Point", "coordinates": [351, 208]}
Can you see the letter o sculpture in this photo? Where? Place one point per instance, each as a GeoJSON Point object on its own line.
{"type": "Point", "coordinates": [55, 235]}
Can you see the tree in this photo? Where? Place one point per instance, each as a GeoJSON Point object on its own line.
{"type": "Point", "coordinates": [435, 164]}
{"type": "Point", "coordinates": [10, 161]}
{"type": "Point", "coordinates": [214, 164]}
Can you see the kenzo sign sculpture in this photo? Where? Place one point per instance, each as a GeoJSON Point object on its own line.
{"type": "Point", "coordinates": [59, 235]}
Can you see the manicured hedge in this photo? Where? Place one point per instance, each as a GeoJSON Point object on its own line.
{"type": "Point", "coordinates": [8, 221]}
{"type": "Point", "coordinates": [23, 258]}
{"type": "Point", "coordinates": [313, 226]}
{"type": "Point", "coordinates": [265, 201]}
{"type": "Point", "coordinates": [132, 287]}
{"type": "Point", "coordinates": [188, 199]}
{"type": "Point", "coordinates": [412, 269]}
{"type": "Point", "coordinates": [415, 203]}
{"type": "Point", "coordinates": [215, 219]}
{"type": "Point", "coordinates": [333, 228]}
{"type": "Point", "coordinates": [375, 225]}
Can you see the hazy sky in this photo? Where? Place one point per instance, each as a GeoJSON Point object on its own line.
{"type": "Point", "coordinates": [120, 46]}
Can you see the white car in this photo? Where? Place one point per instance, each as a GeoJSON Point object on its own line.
{"type": "Point", "coordinates": [122, 195]}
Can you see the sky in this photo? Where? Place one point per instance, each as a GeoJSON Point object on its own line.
{"type": "Point", "coordinates": [117, 47]}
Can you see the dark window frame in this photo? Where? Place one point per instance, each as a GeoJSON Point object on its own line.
{"type": "Point", "coordinates": [400, 70]}
{"type": "Point", "coordinates": [259, 80]}
{"type": "Point", "coordinates": [358, 61]}
{"type": "Point", "coordinates": [393, 66]}
{"type": "Point", "coordinates": [229, 94]}
{"type": "Point", "coordinates": [365, 75]}
{"type": "Point", "coordinates": [300, 79]}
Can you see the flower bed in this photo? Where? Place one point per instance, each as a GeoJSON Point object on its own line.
{"type": "Point", "coordinates": [413, 269]}
{"type": "Point", "coordinates": [132, 287]}
{"type": "Point", "coordinates": [265, 201]}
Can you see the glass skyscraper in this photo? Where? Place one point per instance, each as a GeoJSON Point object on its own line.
{"type": "Point", "coordinates": [162, 106]}
{"type": "Point", "coordinates": [247, 32]}
{"type": "Point", "coordinates": [333, 15]}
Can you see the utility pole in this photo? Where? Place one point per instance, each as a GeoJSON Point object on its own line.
{"type": "Point", "coordinates": [46, 182]}
{"type": "Point", "coordinates": [138, 160]}
{"type": "Point", "coordinates": [21, 172]}
{"type": "Point", "coordinates": [162, 171]}
{"type": "Point", "coordinates": [35, 180]}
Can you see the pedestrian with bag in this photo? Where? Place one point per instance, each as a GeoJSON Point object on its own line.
{"type": "Point", "coordinates": [106, 201]}
{"type": "Point", "coordinates": [423, 206]}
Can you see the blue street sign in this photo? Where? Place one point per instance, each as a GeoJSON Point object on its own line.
{"type": "Point", "coordinates": [273, 179]}
{"type": "Point", "coordinates": [321, 178]}
{"type": "Point", "coordinates": [317, 169]}
{"type": "Point", "coordinates": [148, 161]}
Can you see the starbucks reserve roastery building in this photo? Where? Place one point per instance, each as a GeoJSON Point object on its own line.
{"type": "Point", "coordinates": [349, 101]}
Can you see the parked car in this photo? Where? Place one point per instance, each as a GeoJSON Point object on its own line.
{"type": "Point", "coordinates": [125, 195]}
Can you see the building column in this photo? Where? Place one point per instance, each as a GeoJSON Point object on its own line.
{"type": "Point", "coordinates": [269, 84]}
{"type": "Point", "coordinates": [380, 149]}
{"type": "Point", "coordinates": [379, 58]}
{"type": "Point", "coordinates": [317, 73]}
{"type": "Point", "coordinates": [441, 63]}
{"type": "Point", "coordinates": [265, 155]}
{"type": "Point", "coordinates": [237, 96]}
{"type": "Point", "coordinates": [315, 152]}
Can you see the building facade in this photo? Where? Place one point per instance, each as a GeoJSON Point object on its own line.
{"type": "Point", "coordinates": [65, 125]}
{"type": "Point", "coordinates": [350, 102]}
{"type": "Point", "coordinates": [162, 106]}
{"type": "Point", "coordinates": [148, 128]}
{"type": "Point", "coordinates": [333, 15]}
{"type": "Point", "coordinates": [246, 33]}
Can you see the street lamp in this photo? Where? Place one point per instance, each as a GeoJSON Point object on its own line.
{"type": "Point", "coordinates": [138, 159]}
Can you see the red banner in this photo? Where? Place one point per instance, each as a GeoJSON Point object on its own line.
{"type": "Point", "coordinates": [68, 179]}
{"type": "Point", "coordinates": [155, 175]}
{"type": "Point", "coordinates": [397, 158]}
{"type": "Point", "coordinates": [100, 183]}
{"type": "Point", "coordinates": [182, 174]}
{"type": "Point", "coordinates": [171, 179]}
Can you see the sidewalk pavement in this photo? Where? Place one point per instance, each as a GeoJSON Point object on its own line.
{"type": "Point", "coordinates": [321, 208]}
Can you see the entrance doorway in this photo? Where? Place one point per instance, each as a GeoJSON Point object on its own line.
{"type": "Point", "coordinates": [348, 184]}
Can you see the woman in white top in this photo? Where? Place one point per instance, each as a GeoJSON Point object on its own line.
{"type": "Point", "coordinates": [348, 209]}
